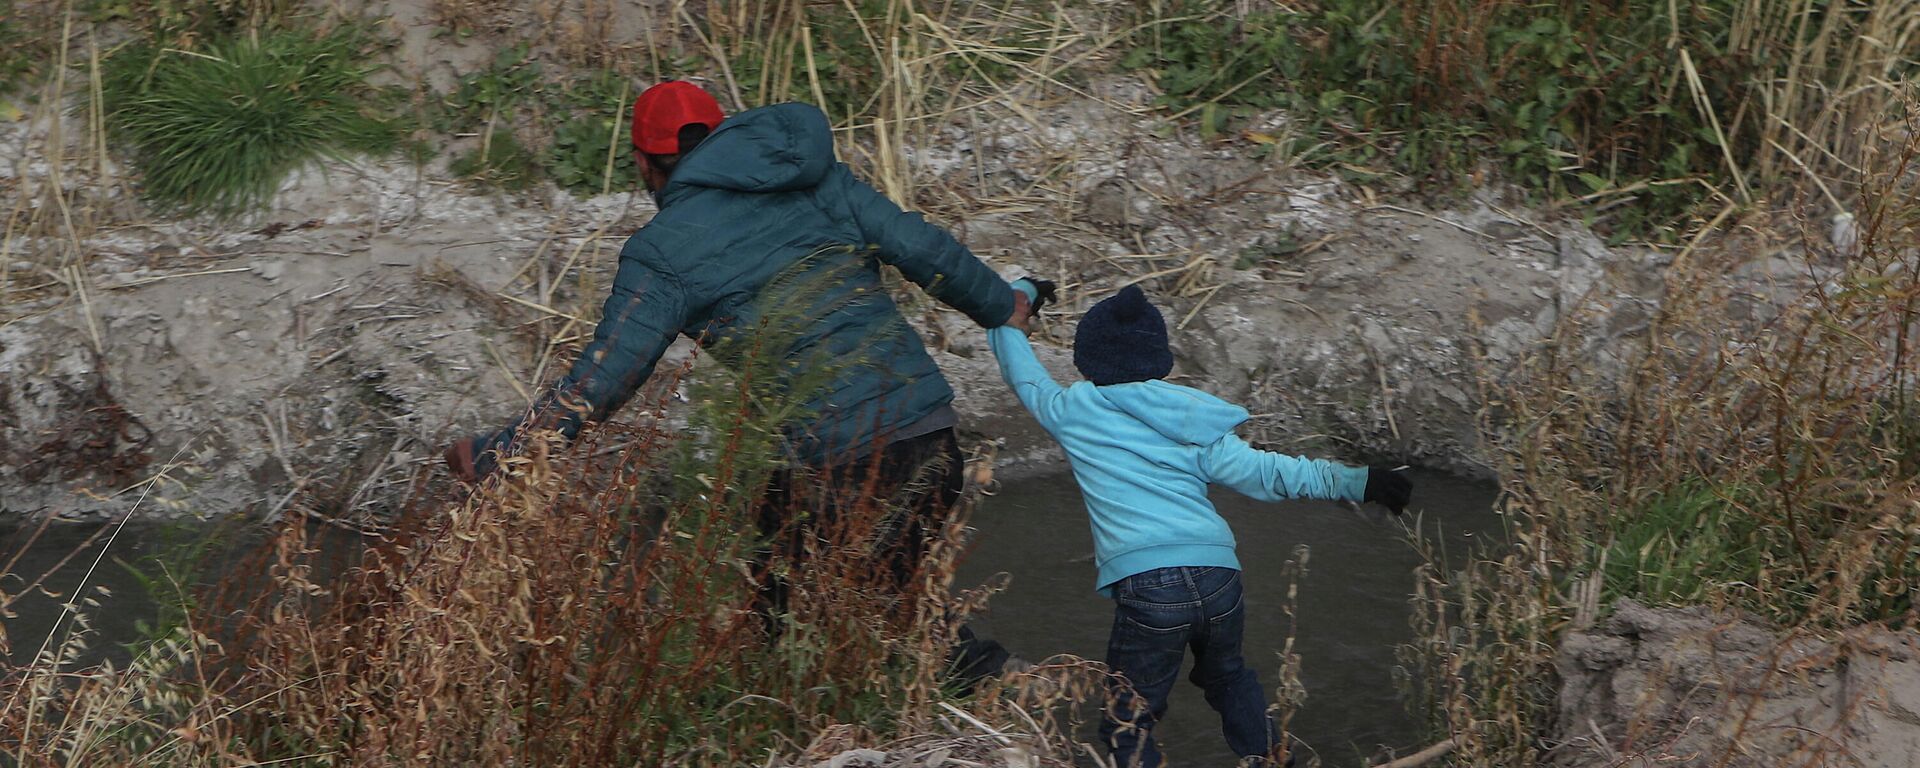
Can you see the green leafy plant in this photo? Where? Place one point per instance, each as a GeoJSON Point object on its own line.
{"type": "Point", "coordinates": [571, 132]}
{"type": "Point", "coordinates": [591, 152]}
{"type": "Point", "coordinates": [216, 130]}
{"type": "Point", "coordinates": [492, 94]}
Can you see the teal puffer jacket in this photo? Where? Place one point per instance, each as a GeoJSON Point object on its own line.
{"type": "Point", "coordinates": [763, 198]}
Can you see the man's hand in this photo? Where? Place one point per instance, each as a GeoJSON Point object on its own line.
{"type": "Point", "coordinates": [1389, 489]}
{"type": "Point", "coordinates": [463, 457]}
{"type": "Point", "coordinates": [1022, 317]}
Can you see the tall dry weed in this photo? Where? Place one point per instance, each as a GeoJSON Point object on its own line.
{"type": "Point", "coordinates": [603, 603]}
{"type": "Point", "coordinates": [1773, 393]}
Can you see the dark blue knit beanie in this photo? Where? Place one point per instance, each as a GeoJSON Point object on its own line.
{"type": "Point", "coordinates": [1122, 339]}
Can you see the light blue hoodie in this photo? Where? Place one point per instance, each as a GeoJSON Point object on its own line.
{"type": "Point", "coordinates": [1144, 453]}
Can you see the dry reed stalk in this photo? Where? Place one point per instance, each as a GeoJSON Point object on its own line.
{"type": "Point", "coordinates": [1784, 414]}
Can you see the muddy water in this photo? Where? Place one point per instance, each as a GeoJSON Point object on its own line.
{"type": "Point", "coordinates": [71, 566]}
{"type": "Point", "coordinates": [1352, 603]}
{"type": "Point", "coordinates": [139, 564]}
{"type": "Point", "coordinates": [1352, 612]}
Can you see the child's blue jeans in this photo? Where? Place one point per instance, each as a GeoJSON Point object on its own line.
{"type": "Point", "coordinates": [1157, 616]}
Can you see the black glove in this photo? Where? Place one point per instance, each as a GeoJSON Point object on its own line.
{"type": "Point", "coordinates": [1044, 293]}
{"type": "Point", "coordinates": [1388, 488]}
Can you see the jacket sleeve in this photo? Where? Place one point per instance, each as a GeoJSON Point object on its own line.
{"type": "Point", "coordinates": [928, 255]}
{"type": "Point", "coordinates": [1023, 372]}
{"type": "Point", "coordinates": [643, 312]}
{"type": "Point", "coordinates": [1270, 476]}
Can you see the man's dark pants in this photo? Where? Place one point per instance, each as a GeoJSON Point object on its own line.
{"type": "Point", "coordinates": [921, 478]}
{"type": "Point", "coordinates": [1158, 615]}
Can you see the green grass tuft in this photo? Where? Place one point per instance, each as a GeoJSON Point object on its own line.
{"type": "Point", "coordinates": [500, 161]}
{"type": "Point", "coordinates": [23, 49]}
{"type": "Point", "coordinates": [1680, 546]}
{"type": "Point", "coordinates": [218, 129]}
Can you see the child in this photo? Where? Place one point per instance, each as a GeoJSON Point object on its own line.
{"type": "Point", "coordinates": [1144, 451]}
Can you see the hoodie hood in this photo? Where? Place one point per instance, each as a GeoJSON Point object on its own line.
{"type": "Point", "coordinates": [1181, 414]}
{"type": "Point", "coordinates": [778, 148]}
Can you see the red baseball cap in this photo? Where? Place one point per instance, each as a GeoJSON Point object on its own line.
{"type": "Point", "coordinates": [661, 111]}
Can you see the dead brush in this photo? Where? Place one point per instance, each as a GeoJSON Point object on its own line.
{"type": "Point", "coordinates": [599, 607]}
{"type": "Point", "coordinates": [593, 618]}
{"type": "Point", "coordinates": [595, 604]}
{"type": "Point", "coordinates": [1778, 396]}
{"type": "Point", "coordinates": [466, 17]}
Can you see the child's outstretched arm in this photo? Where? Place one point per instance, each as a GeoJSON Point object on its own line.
{"type": "Point", "coordinates": [1023, 372]}
{"type": "Point", "coordinates": [1270, 476]}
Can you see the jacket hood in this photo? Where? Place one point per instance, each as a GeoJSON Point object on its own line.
{"type": "Point", "coordinates": [777, 148]}
{"type": "Point", "coordinates": [1182, 414]}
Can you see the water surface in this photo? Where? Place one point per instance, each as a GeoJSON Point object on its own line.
{"type": "Point", "coordinates": [74, 567]}
{"type": "Point", "coordinates": [1352, 613]}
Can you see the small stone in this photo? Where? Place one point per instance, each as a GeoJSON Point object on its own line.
{"type": "Point", "coordinates": [270, 270]}
{"type": "Point", "coordinates": [394, 252]}
{"type": "Point", "coordinates": [857, 757]}
{"type": "Point", "coordinates": [1016, 757]}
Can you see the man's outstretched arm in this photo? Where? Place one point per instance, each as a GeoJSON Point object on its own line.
{"type": "Point", "coordinates": [643, 311]}
{"type": "Point", "coordinates": [927, 254]}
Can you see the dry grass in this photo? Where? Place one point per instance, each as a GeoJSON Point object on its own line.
{"type": "Point", "coordinates": [586, 611]}
{"type": "Point", "coordinates": [1782, 406]}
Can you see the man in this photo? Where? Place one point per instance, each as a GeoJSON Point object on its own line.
{"type": "Point", "coordinates": [744, 201]}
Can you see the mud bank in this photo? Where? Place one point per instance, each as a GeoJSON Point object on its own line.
{"type": "Point", "coordinates": [1688, 687]}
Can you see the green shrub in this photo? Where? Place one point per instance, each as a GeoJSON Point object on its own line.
{"type": "Point", "coordinates": [562, 131]}
{"type": "Point", "coordinates": [217, 130]}
{"type": "Point", "coordinates": [491, 94]}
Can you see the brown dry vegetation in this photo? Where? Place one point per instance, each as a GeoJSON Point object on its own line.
{"type": "Point", "coordinates": [590, 610]}
{"type": "Point", "coordinates": [1761, 453]}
